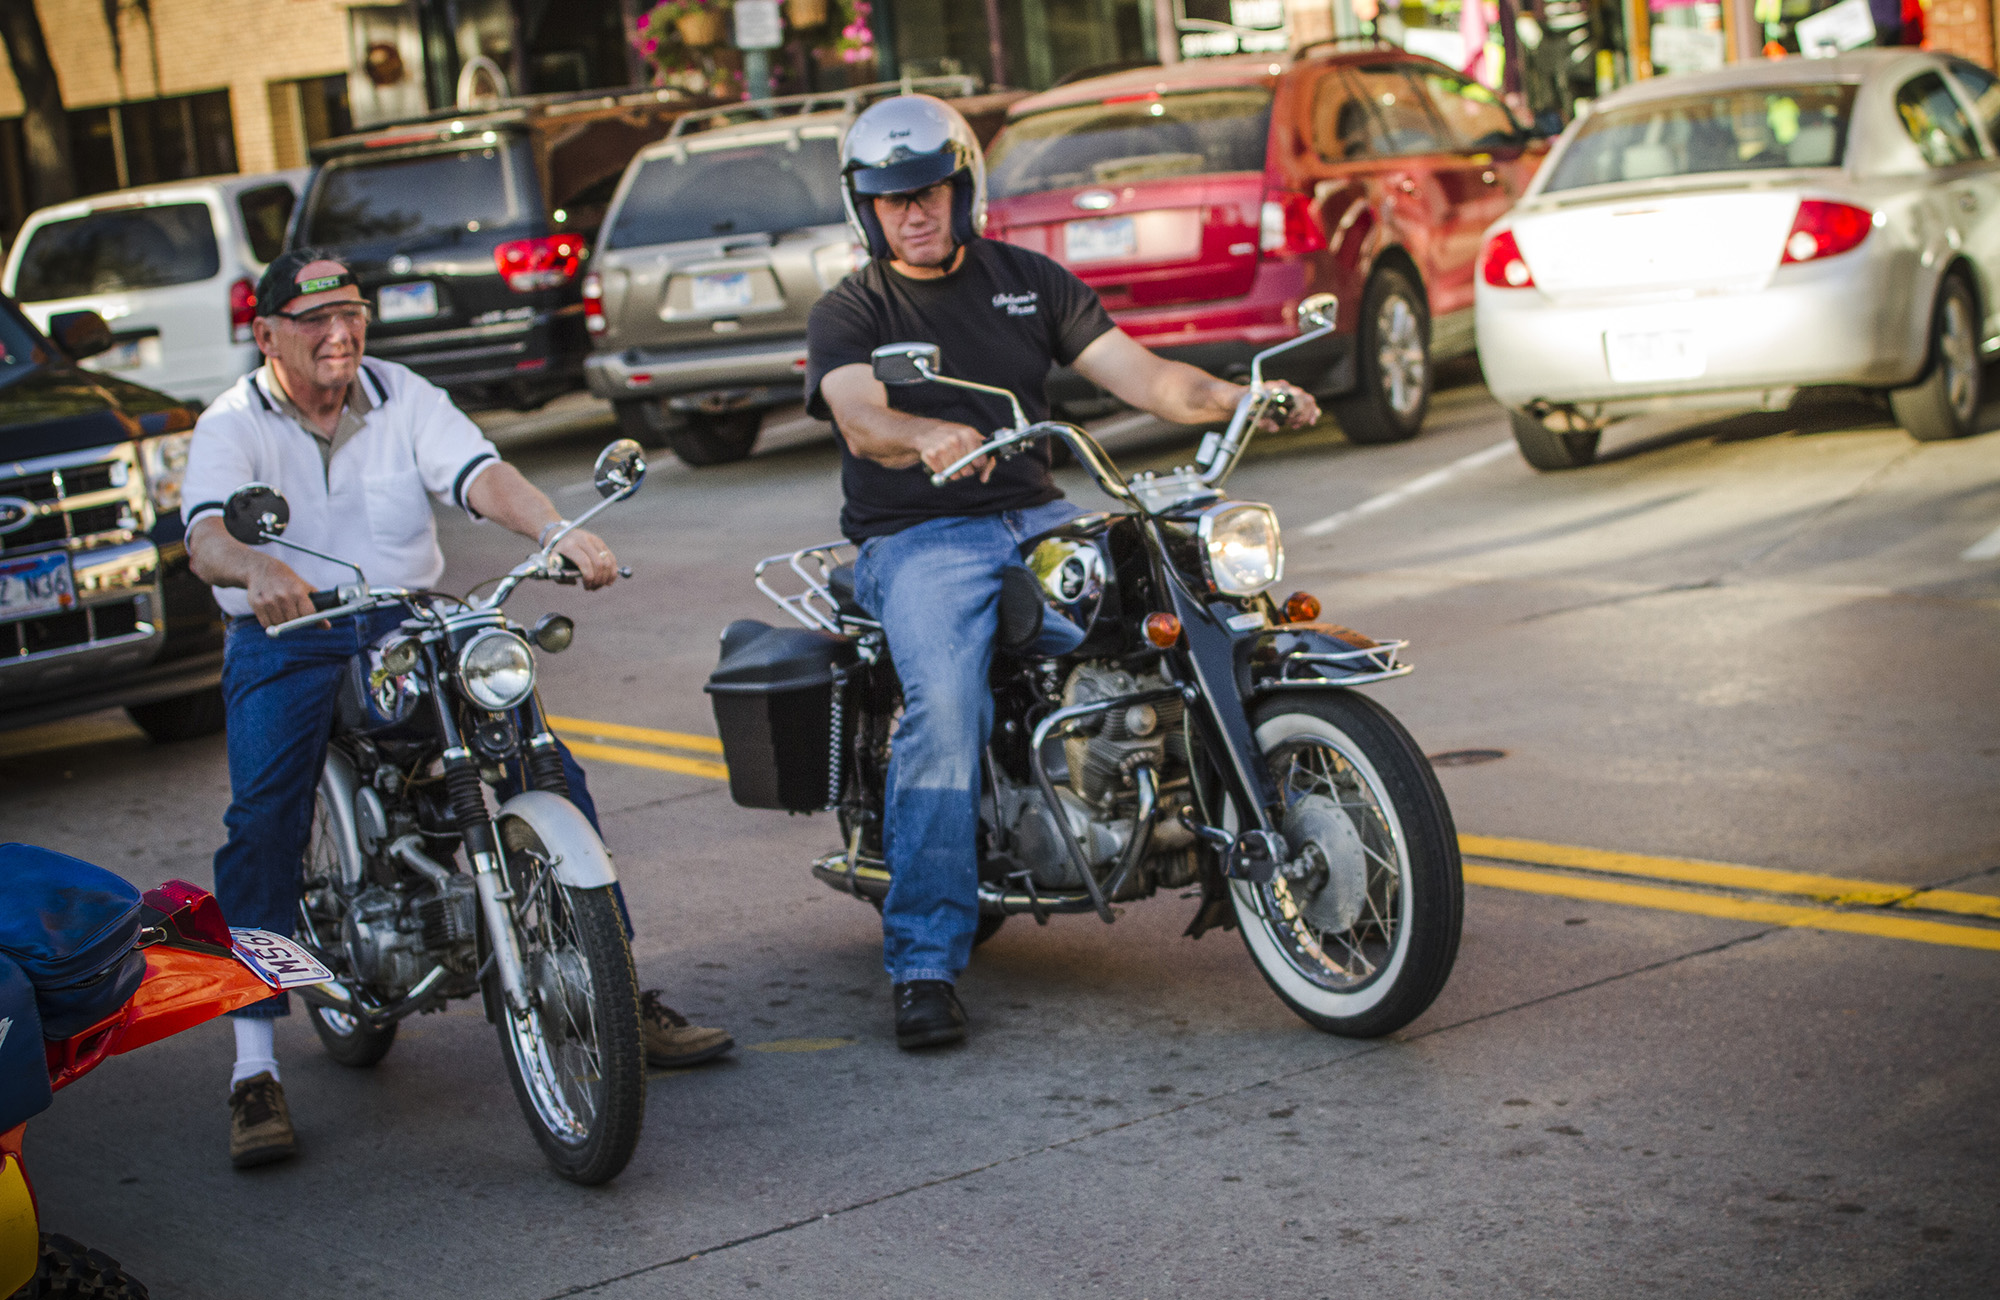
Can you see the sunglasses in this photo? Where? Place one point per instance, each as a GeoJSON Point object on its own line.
{"type": "Point", "coordinates": [356, 314]}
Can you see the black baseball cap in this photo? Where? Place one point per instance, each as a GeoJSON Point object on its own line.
{"type": "Point", "coordinates": [280, 282]}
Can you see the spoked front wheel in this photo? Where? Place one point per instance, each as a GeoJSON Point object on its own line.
{"type": "Point", "coordinates": [1358, 933]}
{"type": "Point", "coordinates": [574, 1055]}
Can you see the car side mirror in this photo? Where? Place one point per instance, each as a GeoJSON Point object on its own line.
{"type": "Point", "coordinates": [255, 513]}
{"type": "Point", "coordinates": [82, 334]}
{"type": "Point", "coordinates": [1319, 309]}
{"type": "Point", "coordinates": [621, 467]}
{"type": "Point", "coordinates": [905, 363]}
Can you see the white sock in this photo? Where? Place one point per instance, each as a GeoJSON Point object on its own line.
{"type": "Point", "coordinates": [256, 1049]}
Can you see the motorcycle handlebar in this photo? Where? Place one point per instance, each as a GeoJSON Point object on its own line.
{"type": "Point", "coordinates": [325, 600]}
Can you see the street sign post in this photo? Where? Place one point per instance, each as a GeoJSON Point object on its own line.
{"type": "Point", "coordinates": [759, 30]}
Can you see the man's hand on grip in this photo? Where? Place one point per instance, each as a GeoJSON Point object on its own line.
{"type": "Point", "coordinates": [277, 594]}
{"type": "Point", "coordinates": [942, 444]}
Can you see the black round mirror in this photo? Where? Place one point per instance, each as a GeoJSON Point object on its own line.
{"type": "Point", "coordinates": [621, 467]}
{"type": "Point", "coordinates": [904, 363]}
{"type": "Point", "coordinates": [255, 513]}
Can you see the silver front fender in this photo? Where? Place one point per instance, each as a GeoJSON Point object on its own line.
{"type": "Point", "coordinates": [577, 855]}
{"type": "Point", "coordinates": [337, 784]}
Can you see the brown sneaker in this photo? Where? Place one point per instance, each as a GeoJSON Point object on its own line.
{"type": "Point", "coordinates": [671, 1042]}
{"type": "Point", "coordinates": [260, 1124]}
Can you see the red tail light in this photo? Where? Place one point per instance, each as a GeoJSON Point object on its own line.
{"type": "Point", "coordinates": [1286, 227]}
{"type": "Point", "coordinates": [546, 263]}
{"type": "Point", "coordinates": [593, 303]}
{"type": "Point", "coordinates": [194, 910]}
{"type": "Point", "coordinates": [1824, 229]}
{"type": "Point", "coordinates": [242, 310]}
{"type": "Point", "coordinates": [1502, 266]}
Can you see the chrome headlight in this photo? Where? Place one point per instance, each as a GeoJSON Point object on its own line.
{"type": "Point", "coordinates": [496, 669]}
{"type": "Point", "coordinates": [1240, 547]}
{"type": "Point", "coordinates": [164, 460]}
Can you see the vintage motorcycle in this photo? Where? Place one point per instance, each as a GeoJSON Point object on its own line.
{"type": "Point", "coordinates": [430, 714]}
{"type": "Point", "coordinates": [1203, 735]}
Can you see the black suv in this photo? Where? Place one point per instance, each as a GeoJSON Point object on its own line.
{"type": "Point", "coordinates": [468, 231]}
{"type": "Point", "coordinates": [97, 606]}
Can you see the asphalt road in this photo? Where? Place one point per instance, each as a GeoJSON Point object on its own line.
{"type": "Point", "coordinates": [1769, 644]}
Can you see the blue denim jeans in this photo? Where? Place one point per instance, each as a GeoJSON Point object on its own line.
{"type": "Point", "coordinates": [935, 588]}
{"type": "Point", "coordinates": [278, 693]}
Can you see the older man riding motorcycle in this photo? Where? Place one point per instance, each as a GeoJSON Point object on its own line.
{"type": "Point", "coordinates": [930, 559]}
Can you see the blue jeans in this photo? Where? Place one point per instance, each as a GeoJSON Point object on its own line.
{"type": "Point", "coordinates": [278, 693]}
{"type": "Point", "coordinates": [935, 588]}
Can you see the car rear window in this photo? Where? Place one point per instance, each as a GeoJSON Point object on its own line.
{"type": "Point", "coordinates": [111, 251]}
{"type": "Point", "coordinates": [1124, 139]}
{"type": "Point", "coordinates": [414, 202]}
{"type": "Point", "coordinates": [764, 188]}
{"type": "Point", "coordinates": [1728, 131]}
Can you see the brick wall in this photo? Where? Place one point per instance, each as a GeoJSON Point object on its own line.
{"type": "Point", "coordinates": [1962, 27]}
{"type": "Point", "coordinates": [242, 45]}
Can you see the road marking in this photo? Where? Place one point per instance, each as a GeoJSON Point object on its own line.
{"type": "Point", "coordinates": [650, 736]}
{"type": "Point", "coordinates": [646, 758]}
{"type": "Point", "coordinates": [1986, 548]}
{"type": "Point", "coordinates": [1415, 487]}
{"type": "Point", "coordinates": [1735, 909]}
{"type": "Point", "coordinates": [1825, 889]}
{"type": "Point", "coordinates": [801, 1045]}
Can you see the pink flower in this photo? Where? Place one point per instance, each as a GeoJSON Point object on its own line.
{"type": "Point", "coordinates": [650, 46]}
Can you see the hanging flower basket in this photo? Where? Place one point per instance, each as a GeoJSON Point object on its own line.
{"type": "Point", "coordinates": [805, 13]}
{"type": "Point", "coordinates": [700, 28]}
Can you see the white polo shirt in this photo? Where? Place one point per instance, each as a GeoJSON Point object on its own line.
{"type": "Point", "coordinates": [368, 503]}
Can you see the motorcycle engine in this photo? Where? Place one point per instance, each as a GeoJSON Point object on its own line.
{"type": "Point", "coordinates": [1099, 764]}
{"type": "Point", "coordinates": [393, 940]}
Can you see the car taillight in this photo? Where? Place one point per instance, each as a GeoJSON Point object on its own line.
{"type": "Point", "coordinates": [1824, 229]}
{"type": "Point", "coordinates": [1286, 227]}
{"type": "Point", "coordinates": [545, 263]}
{"type": "Point", "coordinates": [593, 303]}
{"type": "Point", "coordinates": [192, 911]}
{"type": "Point", "coordinates": [242, 310]}
{"type": "Point", "coordinates": [1502, 266]}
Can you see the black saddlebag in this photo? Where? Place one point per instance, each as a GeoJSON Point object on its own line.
{"type": "Point", "coordinates": [777, 706]}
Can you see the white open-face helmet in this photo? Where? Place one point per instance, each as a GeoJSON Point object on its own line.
{"type": "Point", "coordinates": [907, 143]}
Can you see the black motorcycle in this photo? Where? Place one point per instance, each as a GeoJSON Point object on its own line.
{"type": "Point", "coordinates": [427, 717]}
{"type": "Point", "coordinates": [1204, 736]}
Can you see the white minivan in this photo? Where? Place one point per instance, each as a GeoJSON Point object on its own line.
{"type": "Point", "coordinates": [172, 268]}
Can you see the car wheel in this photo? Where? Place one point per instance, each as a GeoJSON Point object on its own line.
{"type": "Point", "coordinates": [1546, 449]}
{"type": "Point", "coordinates": [184, 717]}
{"type": "Point", "coordinates": [644, 420]}
{"type": "Point", "coordinates": [716, 439]}
{"type": "Point", "coordinates": [1393, 380]}
{"type": "Point", "coordinates": [1945, 405]}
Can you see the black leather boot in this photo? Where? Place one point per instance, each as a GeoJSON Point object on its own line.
{"type": "Point", "coordinates": [928, 1014]}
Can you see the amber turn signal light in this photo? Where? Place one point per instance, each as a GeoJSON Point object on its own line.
{"type": "Point", "coordinates": [1163, 629]}
{"type": "Point", "coordinates": [1301, 607]}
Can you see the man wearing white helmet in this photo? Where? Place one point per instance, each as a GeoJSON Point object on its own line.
{"type": "Point", "coordinates": [931, 558]}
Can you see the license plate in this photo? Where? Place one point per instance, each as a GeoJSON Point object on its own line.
{"type": "Point", "coordinates": [277, 960]}
{"type": "Point", "coordinates": [407, 301]}
{"type": "Point", "coordinates": [36, 584]}
{"type": "Point", "coordinates": [1650, 356]}
{"type": "Point", "coordinates": [1099, 241]}
{"type": "Point", "coordinates": [727, 292]}
{"type": "Point", "coordinates": [133, 354]}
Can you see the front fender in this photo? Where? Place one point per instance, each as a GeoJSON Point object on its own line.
{"type": "Point", "coordinates": [1315, 656]}
{"type": "Point", "coordinates": [576, 853]}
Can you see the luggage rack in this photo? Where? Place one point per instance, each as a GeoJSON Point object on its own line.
{"type": "Point", "coordinates": [816, 606]}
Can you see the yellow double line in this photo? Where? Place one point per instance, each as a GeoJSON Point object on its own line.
{"type": "Point", "coordinates": [575, 729]}
{"type": "Point", "coordinates": [1719, 889]}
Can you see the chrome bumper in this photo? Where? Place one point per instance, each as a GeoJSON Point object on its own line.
{"type": "Point", "coordinates": [663, 372]}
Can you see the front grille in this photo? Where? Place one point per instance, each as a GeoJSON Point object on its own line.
{"type": "Point", "coordinates": [70, 629]}
{"type": "Point", "coordinates": [61, 485]}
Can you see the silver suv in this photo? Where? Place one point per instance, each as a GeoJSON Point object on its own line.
{"type": "Point", "coordinates": [720, 239]}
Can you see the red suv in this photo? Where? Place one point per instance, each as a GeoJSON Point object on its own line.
{"type": "Point", "coordinates": [1202, 201]}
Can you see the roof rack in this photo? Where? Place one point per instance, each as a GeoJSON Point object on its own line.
{"type": "Point", "coordinates": [445, 122]}
{"type": "Point", "coordinates": [959, 86]}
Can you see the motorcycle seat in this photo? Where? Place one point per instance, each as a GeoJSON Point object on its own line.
{"type": "Point", "coordinates": [69, 926]}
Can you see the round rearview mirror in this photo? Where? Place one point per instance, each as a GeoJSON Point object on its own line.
{"type": "Point", "coordinates": [1319, 310]}
{"type": "Point", "coordinates": [621, 467]}
{"type": "Point", "coordinates": [255, 514]}
{"type": "Point", "coordinates": [904, 363]}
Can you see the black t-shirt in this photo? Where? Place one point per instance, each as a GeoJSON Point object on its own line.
{"type": "Point", "coordinates": [1002, 318]}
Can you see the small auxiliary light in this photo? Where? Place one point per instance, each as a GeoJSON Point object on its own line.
{"type": "Point", "coordinates": [553, 633]}
{"type": "Point", "coordinates": [1163, 630]}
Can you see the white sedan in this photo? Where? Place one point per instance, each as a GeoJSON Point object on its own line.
{"type": "Point", "coordinates": [1719, 241]}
